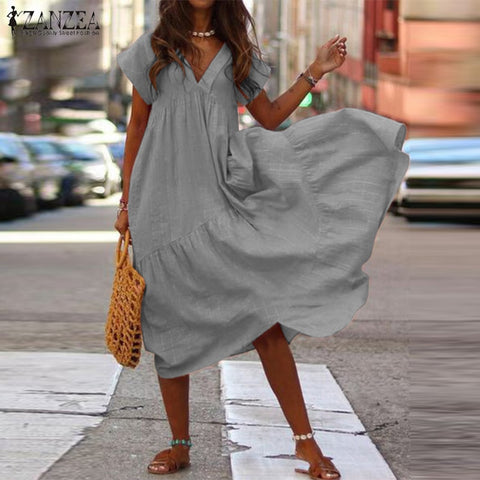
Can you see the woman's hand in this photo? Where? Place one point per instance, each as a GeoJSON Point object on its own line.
{"type": "Point", "coordinates": [122, 224]}
{"type": "Point", "coordinates": [330, 55]}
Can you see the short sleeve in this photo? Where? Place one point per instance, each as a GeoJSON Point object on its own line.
{"type": "Point", "coordinates": [254, 83]}
{"type": "Point", "coordinates": [135, 62]}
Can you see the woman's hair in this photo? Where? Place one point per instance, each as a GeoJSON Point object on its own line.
{"type": "Point", "coordinates": [231, 20]}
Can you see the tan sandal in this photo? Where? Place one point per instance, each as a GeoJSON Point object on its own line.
{"type": "Point", "coordinates": [322, 469]}
{"type": "Point", "coordinates": [167, 461]}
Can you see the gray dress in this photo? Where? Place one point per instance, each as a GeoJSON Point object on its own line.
{"type": "Point", "coordinates": [234, 231]}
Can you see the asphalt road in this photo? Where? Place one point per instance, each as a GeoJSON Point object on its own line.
{"type": "Point", "coordinates": [423, 294]}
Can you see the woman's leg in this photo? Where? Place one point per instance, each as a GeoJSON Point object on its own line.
{"type": "Point", "coordinates": [281, 372]}
{"type": "Point", "coordinates": [175, 393]}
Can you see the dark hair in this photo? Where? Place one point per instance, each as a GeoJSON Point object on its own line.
{"type": "Point", "coordinates": [231, 20]}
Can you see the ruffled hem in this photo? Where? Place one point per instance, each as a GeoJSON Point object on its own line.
{"type": "Point", "coordinates": [306, 204]}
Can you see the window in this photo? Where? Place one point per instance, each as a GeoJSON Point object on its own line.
{"type": "Point", "coordinates": [390, 4]}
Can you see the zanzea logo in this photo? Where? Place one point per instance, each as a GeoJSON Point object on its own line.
{"type": "Point", "coordinates": [62, 22]}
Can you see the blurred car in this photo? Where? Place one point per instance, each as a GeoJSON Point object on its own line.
{"type": "Point", "coordinates": [441, 143]}
{"type": "Point", "coordinates": [117, 149]}
{"type": "Point", "coordinates": [101, 174]}
{"type": "Point", "coordinates": [443, 179]}
{"type": "Point", "coordinates": [51, 163]}
{"type": "Point", "coordinates": [115, 142]}
{"type": "Point", "coordinates": [17, 178]}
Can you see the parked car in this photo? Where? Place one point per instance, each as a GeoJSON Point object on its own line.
{"type": "Point", "coordinates": [17, 178]}
{"type": "Point", "coordinates": [115, 142]}
{"type": "Point", "coordinates": [117, 149]}
{"type": "Point", "coordinates": [442, 181]}
{"type": "Point", "coordinates": [441, 143]}
{"type": "Point", "coordinates": [51, 163]}
{"type": "Point", "coordinates": [101, 174]}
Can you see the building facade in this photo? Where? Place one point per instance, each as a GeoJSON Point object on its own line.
{"type": "Point", "coordinates": [414, 61]}
{"type": "Point", "coordinates": [431, 81]}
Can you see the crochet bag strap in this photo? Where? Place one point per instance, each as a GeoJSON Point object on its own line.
{"type": "Point", "coordinates": [122, 254]}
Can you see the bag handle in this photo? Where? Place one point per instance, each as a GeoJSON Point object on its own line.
{"type": "Point", "coordinates": [122, 254]}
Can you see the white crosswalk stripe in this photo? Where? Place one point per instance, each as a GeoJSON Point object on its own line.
{"type": "Point", "coordinates": [47, 400]}
{"type": "Point", "coordinates": [261, 439]}
{"type": "Point", "coordinates": [61, 236]}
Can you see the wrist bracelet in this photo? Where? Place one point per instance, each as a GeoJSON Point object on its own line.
{"type": "Point", "coordinates": [316, 80]}
{"type": "Point", "coordinates": [309, 78]}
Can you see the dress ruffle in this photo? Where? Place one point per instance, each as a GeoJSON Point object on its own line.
{"type": "Point", "coordinates": [305, 205]}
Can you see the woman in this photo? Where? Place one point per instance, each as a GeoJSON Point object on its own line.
{"type": "Point", "coordinates": [245, 238]}
{"type": "Point", "coordinates": [12, 22]}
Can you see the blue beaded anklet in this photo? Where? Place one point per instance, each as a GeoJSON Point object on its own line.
{"type": "Point", "coordinates": [188, 442]}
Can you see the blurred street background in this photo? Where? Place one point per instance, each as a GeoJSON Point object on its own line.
{"type": "Point", "coordinates": [407, 361]}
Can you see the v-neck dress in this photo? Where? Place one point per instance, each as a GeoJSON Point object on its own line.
{"type": "Point", "coordinates": [236, 230]}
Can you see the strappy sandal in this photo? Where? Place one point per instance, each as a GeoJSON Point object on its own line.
{"type": "Point", "coordinates": [322, 469]}
{"type": "Point", "coordinates": [167, 460]}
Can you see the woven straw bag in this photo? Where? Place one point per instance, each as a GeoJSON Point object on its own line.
{"type": "Point", "coordinates": [123, 331]}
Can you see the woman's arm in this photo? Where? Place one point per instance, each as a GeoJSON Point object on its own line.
{"type": "Point", "coordinates": [270, 114]}
{"type": "Point", "coordinates": [135, 129]}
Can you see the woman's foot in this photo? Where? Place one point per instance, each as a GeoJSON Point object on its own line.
{"type": "Point", "coordinates": [170, 460]}
{"type": "Point", "coordinates": [321, 467]}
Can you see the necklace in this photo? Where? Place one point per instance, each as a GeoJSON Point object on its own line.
{"type": "Point", "coordinates": [204, 34]}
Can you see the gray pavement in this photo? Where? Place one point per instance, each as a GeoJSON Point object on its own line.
{"type": "Point", "coordinates": [57, 299]}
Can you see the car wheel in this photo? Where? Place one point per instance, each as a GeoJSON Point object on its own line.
{"type": "Point", "coordinates": [413, 219]}
{"type": "Point", "coordinates": [12, 204]}
{"type": "Point", "coordinates": [30, 206]}
{"type": "Point", "coordinates": [74, 200]}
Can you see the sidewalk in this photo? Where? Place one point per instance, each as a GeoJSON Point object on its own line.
{"type": "Point", "coordinates": [55, 420]}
